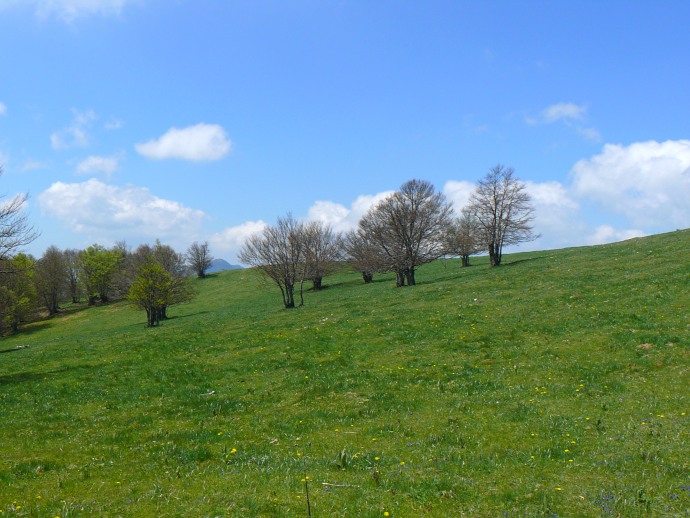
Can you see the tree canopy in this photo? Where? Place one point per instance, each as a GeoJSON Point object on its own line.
{"type": "Point", "coordinates": [503, 210]}
{"type": "Point", "coordinates": [279, 254]}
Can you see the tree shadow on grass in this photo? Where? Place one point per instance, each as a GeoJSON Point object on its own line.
{"type": "Point", "coordinates": [526, 260]}
{"type": "Point", "coordinates": [142, 323]}
{"type": "Point", "coordinates": [23, 377]}
{"type": "Point", "coordinates": [175, 317]}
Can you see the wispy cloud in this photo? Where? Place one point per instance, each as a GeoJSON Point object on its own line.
{"type": "Point", "coordinates": [198, 143]}
{"type": "Point", "coordinates": [114, 124]}
{"type": "Point", "coordinates": [105, 165]}
{"type": "Point", "coordinates": [3, 108]}
{"type": "Point", "coordinates": [76, 134]}
{"type": "Point", "coordinates": [570, 114]}
{"type": "Point", "coordinates": [70, 10]}
{"type": "Point", "coordinates": [33, 165]}
{"type": "Point", "coordinates": [564, 111]}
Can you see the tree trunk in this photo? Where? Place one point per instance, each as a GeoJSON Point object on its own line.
{"type": "Point", "coordinates": [368, 277]}
{"type": "Point", "coordinates": [153, 316]}
{"type": "Point", "coordinates": [399, 278]}
{"type": "Point", "coordinates": [465, 260]}
{"type": "Point", "coordinates": [289, 297]}
{"type": "Point", "coordinates": [316, 283]}
{"type": "Point", "coordinates": [410, 277]}
{"type": "Point", "coordinates": [495, 254]}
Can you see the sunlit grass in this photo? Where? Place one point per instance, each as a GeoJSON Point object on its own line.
{"type": "Point", "coordinates": [556, 384]}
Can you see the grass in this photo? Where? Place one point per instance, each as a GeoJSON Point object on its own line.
{"type": "Point", "coordinates": [555, 385]}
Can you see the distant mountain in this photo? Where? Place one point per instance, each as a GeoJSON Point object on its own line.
{"type": "Point", "coordinates": [218, 265]}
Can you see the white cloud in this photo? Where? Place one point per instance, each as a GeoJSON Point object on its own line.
{"type": "Point", "coordinates": [561, 111]}
{"type": "Point", "coordinates": [199, 142]}
{"type": "Point", "coordinates": [647, 182]}
{"type": "Point", "coordinates": [328, 212]}
{"type": "Point", "coordinates": [557, 216]}
{"type": "Point", "coordinates": [105, 165]}
{"type": "Point", "coordinates": [228, 243]}
{"type": "Point", "coordinates": [550, 195]}
{"type": "Point", "coordinates": [111, 213]}
{"type": "Point", "coordinates": [3, 108]}
{"type": "Point", "coordinates": [458, 193]}
{"type": "Point", "coordinates": [570, 114]}
{"type": "Point", "coordinates": [340, 217]}
{"type": "Point", "coordinates": [76, 134]}
{"type": "Point", "coordinates": [607, 234]}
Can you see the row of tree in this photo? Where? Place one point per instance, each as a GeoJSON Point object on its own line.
{"type": "Point", "coordinates": [411, 227]}
{"type": "Point", "coordinates": [151, 277]}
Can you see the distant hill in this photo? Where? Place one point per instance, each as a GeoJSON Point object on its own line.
{"type": "Point", "coordinates": [218, 265]}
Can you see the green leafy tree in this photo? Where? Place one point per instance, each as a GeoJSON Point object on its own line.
{"type": "Point", "coordinates": [50, 278]}
{"type": "Point", "coordinates": [157, 283]}
{"type": "Point", "coordinates": [17, 292]}
{"type": "Point", "coordinates": [152, 291]}
{"type": "Point", "coordinates": [74, 273]}
{"type": "Point", "coordinates": [99, 266]}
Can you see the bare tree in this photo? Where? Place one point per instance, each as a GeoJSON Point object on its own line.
{"type": "Point", "coordinates": [504, 211]}
{"type": "Point", "coordinates": [199, 258]}
{"type": "Point", "coordinates": [463, 237]}
{"type": "Point", "coordinates": [362, 253]}
{"type": "Point", "coordinates": [323, 249]}
{"type": "Point", "coordinates": [279, 254]}
{"type": "Point", "coordinates": [15, 229]}
{"type": "Point", "coordinates": [408, 228]}
{"type": "Point", "coordinates": [377, 239]}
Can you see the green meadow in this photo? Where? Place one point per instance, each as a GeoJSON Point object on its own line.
{"type": "Point", "coordinates": [557, 384]}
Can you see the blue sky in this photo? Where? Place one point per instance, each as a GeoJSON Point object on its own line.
{"type": "Point", "coordinates": [190, 120]}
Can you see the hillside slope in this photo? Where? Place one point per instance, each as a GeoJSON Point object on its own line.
{"type": "Point", "coordinates": [556, 384]}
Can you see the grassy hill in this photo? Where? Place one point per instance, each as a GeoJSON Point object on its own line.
{"type": "Point", "coordinates": [555, 385]}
